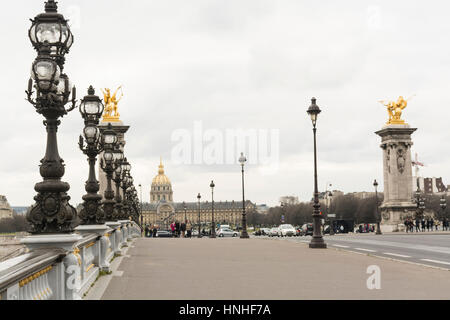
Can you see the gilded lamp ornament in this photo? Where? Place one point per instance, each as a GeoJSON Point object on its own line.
{"type": "Point", "coordinates": [395, 110]}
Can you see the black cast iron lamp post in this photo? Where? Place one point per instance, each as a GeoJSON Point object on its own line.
{"type": "Point", "coordinates": [213, 223]}
{"type": "Point", "coordinates": [199, 222]}
{"type": "Point", "coordinates": [117, 178]}
{"type": "Point", "coordinates": [317, 239]}
{"type": "Point", "coordinates": [244, 234]}
{"type": "Point", "coordinates": [126, 183]}
{"type": "Point", "coordinates": [91, 109]}
{"type": "Point", "coordinates": [107, 164]}
{"type": "Point", "coordinates": [52, 212]}
{"type": "Point", "coordinates": [185, 215]}
{"type": "Point", "coordinates": [375, 184]}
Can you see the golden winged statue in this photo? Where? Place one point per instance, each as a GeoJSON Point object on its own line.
{"type": "Point", "coordinates": [110, 113]}
{"type": "Point", "coordinates": [395, 109]}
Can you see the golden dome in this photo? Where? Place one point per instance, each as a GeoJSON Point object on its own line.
{"type": "Point", "coordinates": [161, 178]}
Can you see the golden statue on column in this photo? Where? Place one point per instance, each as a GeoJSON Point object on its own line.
{"type": "Point", "coordinates": [395, 110]}
{"type": "Point", "coordinates": [111, 114]}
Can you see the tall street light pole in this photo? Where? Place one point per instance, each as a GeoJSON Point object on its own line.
{"type": "Point", "coordinates": [91, 109]}
{"type": "Point", "coordinates": [142, 217]}
{"type": "Point", "coordinates": [185, 214]}
{"type": "Point", "coordinates": [199, 223]}
{"type": "Point", "coordinates": [49, 91]}
{"type": "Point", "coordinates": [213, 223]}
{"type": "Point", "coordinates": [244, 234]}
{"type": "Point", "coordinates": [375, 184]}
{"type": "Point", "coordinates": [317, 239]}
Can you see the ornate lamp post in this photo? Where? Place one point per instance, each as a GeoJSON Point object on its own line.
{"type": "Point", "coordinates": [126, 167]}
{"type": "Point", "coordinates": [443, 204]}
{"type": "Point", "coordinates": [108, 165]}
{"type": "Point", "coordinates": [185, 215]}
{"type": "Point", "coordinates": [117, 178]}
{"type": "Point", "coordinates": [317, 239]}
{"type": "Point", "coordinates": [91, 109]}
{"type": "Point", "coordinates": [140, 207]}
{"type": "Point", "coordinates": [52, 39]}
{"type": "Point", "coordinates": [213, 223]}
{"type": "Point", "coordinates": [244, 234]}
{"type": "Point", "coordinates": [375, 184]}
{"type": "Point", "coordinates": [199, 223]}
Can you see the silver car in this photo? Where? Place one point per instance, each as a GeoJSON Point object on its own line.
{"type": "Point", "coordinates": [225, 232]}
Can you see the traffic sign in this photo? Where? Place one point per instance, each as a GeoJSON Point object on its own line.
{"type": "Point", "coordinates": [332, 215]}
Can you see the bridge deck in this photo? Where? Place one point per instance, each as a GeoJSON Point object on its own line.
{"type": "Point", "coordinates": [176, 269]}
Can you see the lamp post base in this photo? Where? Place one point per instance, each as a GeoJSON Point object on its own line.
{"type": "Point", "coordinates": [317, 243]}
{"type": "Point", "coordinates": [245, 236]}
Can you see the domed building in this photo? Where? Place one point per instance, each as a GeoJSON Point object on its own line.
{"type": "Point", "coordinates": [161, 189]}
{"type": "Point", "coordinates": [162, 210]}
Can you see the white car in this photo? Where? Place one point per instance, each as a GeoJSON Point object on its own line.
{"type": "Point", "coordinates": [265, 231]}
{"type": "Point", "coordinates": [273, 232]}
{"type": "Point", "coordinates": [286, 230]}
{"type": "Point", "coordinates": [226, 232]}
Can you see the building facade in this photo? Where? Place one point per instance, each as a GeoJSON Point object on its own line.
{"type": "Point", "coordinates": [162, 210]}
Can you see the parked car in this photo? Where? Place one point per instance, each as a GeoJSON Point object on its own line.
{"type": "Point", "coordinates": [226, 232]}
{"type": "Point", "coordinates": [163, 234]}
{"type": "Point", "coordinates": [298, 231]}
{"type": "Point", "coordinates": [308, 229]}
{"type": "Point", "coordinates": [265, 231]}
{"type": "Point", "coordinates": [273, 232]}
{"type": "Point", "coordinates": [286, 230]}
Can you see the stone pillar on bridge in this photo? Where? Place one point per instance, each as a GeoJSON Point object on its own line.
{"type": "Point", "coordinates": [398, 194]}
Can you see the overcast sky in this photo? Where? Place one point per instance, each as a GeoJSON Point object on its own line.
{"type": "Point", "coordinates": [235, 64]}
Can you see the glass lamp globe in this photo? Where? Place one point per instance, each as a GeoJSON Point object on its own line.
{"type": "Point", "coordinates": [108, 156]}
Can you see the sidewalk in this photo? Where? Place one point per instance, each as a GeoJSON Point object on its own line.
{"type": "Point", "coordinates": [236, 269]}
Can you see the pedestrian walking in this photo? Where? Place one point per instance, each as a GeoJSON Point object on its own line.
{"type": "Point", "coordinates": [428, 224]}
{"type": "Point", "coordinates": [417, 225]}
{"type": "Point", "coordinates": [189, 229]}
{"type": "Point", "coordinates": [177, 228]}
{"type": "Point", "coordinates": [423, 224]}
{"type": "Point", "coordinates": [155, 231]}
{"type": "Point", "coordinates": [431, 224]}
{"type": "Point", "coordinates": [150, 231]}
{"type": "Point", "coordinates": [183, 229]}
{"type": "Point", "coordinates": [172, 228]}
{"type": "Point", "coordinates": [146, 229]}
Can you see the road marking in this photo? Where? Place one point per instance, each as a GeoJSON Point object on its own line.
{"type": "Point", "coordinates": [396, 255]}
{"type": "Point", "coordinates": [118, 274]}
{"type": "Point", "coordinates": [340, 246]}
{"type": "Point", "coordinates": [436, 261]}
{"type": "Point", "coordinates": [368, 250]}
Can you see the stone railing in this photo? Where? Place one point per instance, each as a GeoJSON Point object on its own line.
{"type": "Point", "coordinates": [58, 268]}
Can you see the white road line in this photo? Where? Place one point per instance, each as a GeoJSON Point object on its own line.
{"type": "Point", "coordinates": [340, 246]}
{"type": "Point", "coordinates": [396, 255]}
{"type": "Point", "coordinates": [436, 261]}
{"type": "Point", "coordinates": [368, 250]}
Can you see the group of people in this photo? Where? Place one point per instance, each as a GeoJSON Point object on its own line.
{"type": "Point", "coordinates": [177, 229]}
{"type": "Point", "coordinates": [422, 225]}
{"type": "Point", "coordinates": [183, 229]}
{"type": "Point", "coordinates": [150, 231]}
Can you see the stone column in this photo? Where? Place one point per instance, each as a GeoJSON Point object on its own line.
{"type": "Point", "coordinates": [398, 194]}
{"type": "Point", "coordinates": [120, 130]}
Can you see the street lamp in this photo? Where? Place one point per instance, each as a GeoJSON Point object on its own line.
{"type": "Point", "coordinates": [283, 212]}
{"type": "Point", "coordinates": [127, 181]}
{"type": "Point", "coordinates": [213, 223]}
{"type": "Point", "coordinates": [109, 165]}
{"type": "Point", "coordinates": [91, 109]}
{"type": "Point", "coordinates": [330, 196]}
{"type": "Point", "coordinates": [244, 234]}
{"type": "Point", "coordinates": [199, 223]}
{"type": "Point", "coordinates": [52, 212]}
{"type": "Point", "coordinates": [317, 239]}
{"type": "Point", "coordinates": [142, 216]}
{"type": "Point", "coordinates": [117, 178]}
{"type": "Point", "coordinates": [443, 204]}
{"type": "Point", "coordinates": [375, 184]}
{"type": "Point", "coordinates": [185, 215]}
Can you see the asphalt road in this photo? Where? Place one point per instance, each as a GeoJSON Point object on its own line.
{"type": "Point", "coordinates": [431, 249]}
